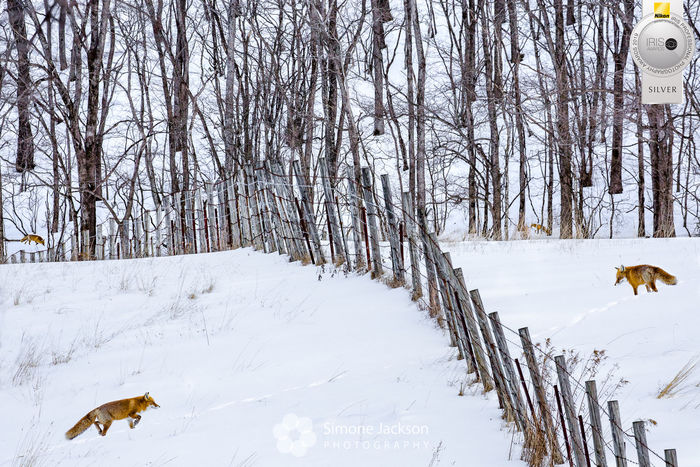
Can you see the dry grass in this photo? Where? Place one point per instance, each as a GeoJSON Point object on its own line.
{"type": "Point", "coordinates": [673, 386]}
{"type": "Point", "coordinates": [27, 361]}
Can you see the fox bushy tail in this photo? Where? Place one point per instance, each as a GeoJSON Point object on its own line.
{"type": "Point", "coordinates": [82, 425]}
{"type": "Point", "coordinates": [667, 278]}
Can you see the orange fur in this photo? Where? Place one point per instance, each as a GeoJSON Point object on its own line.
{"type": "Point", "coordinates": [644, 274]}
{"type": "Point", "coordinates": [32, 238]}
{"type": "Point", "coordinates": [115, 410]}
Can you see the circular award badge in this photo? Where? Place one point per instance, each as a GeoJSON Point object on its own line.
{"type": "Point", "coordinates": [662, 47]}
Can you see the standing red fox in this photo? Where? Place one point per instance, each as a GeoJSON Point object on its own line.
{"type": "Point", "coordinates": [116, 410]}
{"type": "Point", "coordinates": [644, 274]}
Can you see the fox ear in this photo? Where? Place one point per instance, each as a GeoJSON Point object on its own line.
{"type": "Point", "coordinates": [622, 268]}
{"type": "Point", "coordinates": [617, 268]}
{"type": "Point", "coordinates": [146, 396]}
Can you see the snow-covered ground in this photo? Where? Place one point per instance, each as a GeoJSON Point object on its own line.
{"type": "Point", "coordinates": [230, 344]}
{"type": "Point", "coordinates": [563, 289]}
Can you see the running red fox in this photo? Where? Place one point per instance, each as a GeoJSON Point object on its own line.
{"type": "Point", "coordinates": [116, 410]}
{"type": "Point", "coordinates": [644, 274]}
{"type": "Point", "coordinates": [29, 238]}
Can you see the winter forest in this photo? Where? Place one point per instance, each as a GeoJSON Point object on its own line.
{"type": "Point", "coordinates": [502, 119]}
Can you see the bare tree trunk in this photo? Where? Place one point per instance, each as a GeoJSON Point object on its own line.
{"type": "Point", "coordinates": [470, 14]}
{"type": "Point", "coordinates": [515, 57]}
{"type": "Point", "coordinates": [620, 57]}
{"type": "Point", "coordinates": [563, 133]}
{"type": "Point", "coordinates": [2, 217]}
{"type": "Point", "coordinates": [641, 222]}
{"type": "Point", "coordinates": [494, 140]}
{"type": "Point", "coordinates": [25, 140]}
{"type": "Point", "coordinates": [420, 151]}
{"type": "Point", "coordinates": [660, 150]}
{"type": "Point", "coordinates": [378, 66]}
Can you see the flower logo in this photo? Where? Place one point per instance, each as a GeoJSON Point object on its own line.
{"type": "Point", "coordinates": [295, 435]}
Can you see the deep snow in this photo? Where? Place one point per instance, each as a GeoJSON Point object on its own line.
{"type": "Point", "coordinates": [229, 344]}
{"type": "Point", "coordinates": [563, 289]}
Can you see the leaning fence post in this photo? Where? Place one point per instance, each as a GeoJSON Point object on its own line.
{"type": "Point", "coordinates": [618, 435]}
{"type": "Point", "coordinates": [569, 409]}
{"type": "Point", "coordinates": [287, 203]}
{"type": "Point", "coordinates": [211, 217]}
{"type": "Point", "coordinates": [233, 212]}
{"type": "Point", "coordinates": [99, 243]}
{"type": "Point", "coordinates": [473, 331]}
{"type": "Point", "coordinates": [496, 368]}
{"type": "Point", "coordinates": [670, 457]}
{"type": "Point", "coordinates": [536, 378]}
{"type": "Point", "coordinates": [273, 211]}
{"type": "Point", "coordinates": [640, 440]}
{"type": "Point", "coordinates": [308, 213]}
{"type": "Point", "coordinates": [409, 221]}
{"type": "Point", "coordinates": [159, 221]}
{"type": "Point", "coordinates": [372, 222]}
{"type": "Point", "coordinates": [280, 212]}
{"type": "Point", "coordinates": [597, 426]}
{"type": "Point", "coordinates": [393, 228]}
{"type": "Point", "coordinates": [112, 230]}
{"type": "Point", "coordinates": [355, 217]}
{"type": "Point", "coordinates": [256, 221]}
{"type": "Point", "coordinates": [330, 211]}
{"type": "Point", "coordinates": [511, 378]}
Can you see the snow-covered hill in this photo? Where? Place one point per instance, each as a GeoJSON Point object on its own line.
{"type": "Point", "coordinates": [563, 290]}
{"type": "Point", "coordinates": [229, 344]}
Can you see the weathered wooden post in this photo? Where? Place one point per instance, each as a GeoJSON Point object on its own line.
{"type": "Point", "coordinates": [223, 231]}
{"type": "Point", "coordinates": [273, 212]}
{"type": "Point", "coordinates": [256, 221]}
{"type": "Point", "coordinates": [670, 458]}
{"type": "Point", "coordinates": [393, 229]}
{"type": "Point", "coordinates": [211, 217]}
{"type": "Point", "coordinates": [511, 378]}
{"type": "Point", "coordinates": [371, 207]}
{"type": "Point", "coordinates": [137, 236]}
{"type": "Point", "coordinates": [536, 379]}
{"type": "Point", "coordinates": [112, 230]}
{"type": "Point", "coordinates": [99, 243]}
{"type": "Point", "coordinates": [618, 435]}
{"type": "Point", "coordinates": [473, 331]}
{"type": "Point", "coordinates": [407, 207]}
{"type": "Point", "coordinates": [496, 367]}
{"type": "Point", "coordinates": [308, 214]}
{"type": "Point", "coordinates": [596, 424]}
{"type": "Point", "coordinates": [199, 209]}
{"type": "Point", "coordinates": [32, 257]}
{"type": "Point", "coordinates": [233, 213]}
{"type": "Point", "coordinates": [329, 197]}
{"type": "Point", "coordinates": [22, 256]}
{"type": "Point", "coordinates": [159, 222]}
{"type": "Point", "coordinates": [354, 201]}
{"type": "Point", "coordinates": [570, 410]}
{"type": "Point", "coordinates": [640, 441]}
{"type": "Point", "coordinates": [279, 215]}
{"type": "Point", "coordinates": [286, 198]}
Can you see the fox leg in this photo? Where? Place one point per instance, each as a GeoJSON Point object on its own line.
{"type": "Point", "coordinates": [648, 288]}
{"type": "Point", "coordinates": [134, 420]}
{"type": "Point", "coordinates": [653, 286]}
{"type": "Point", "coordinates": [634, 287]}
{"type": "Point", "coordinates": [97, 425]}
{"type": "Point", "coordinates": [105, 427]}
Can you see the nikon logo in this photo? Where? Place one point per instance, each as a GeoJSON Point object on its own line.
{"type": "Point", "coordinates": [662, 9]}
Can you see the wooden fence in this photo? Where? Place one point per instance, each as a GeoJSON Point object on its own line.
{"type": "Point", "coordinates": [361, 228]}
